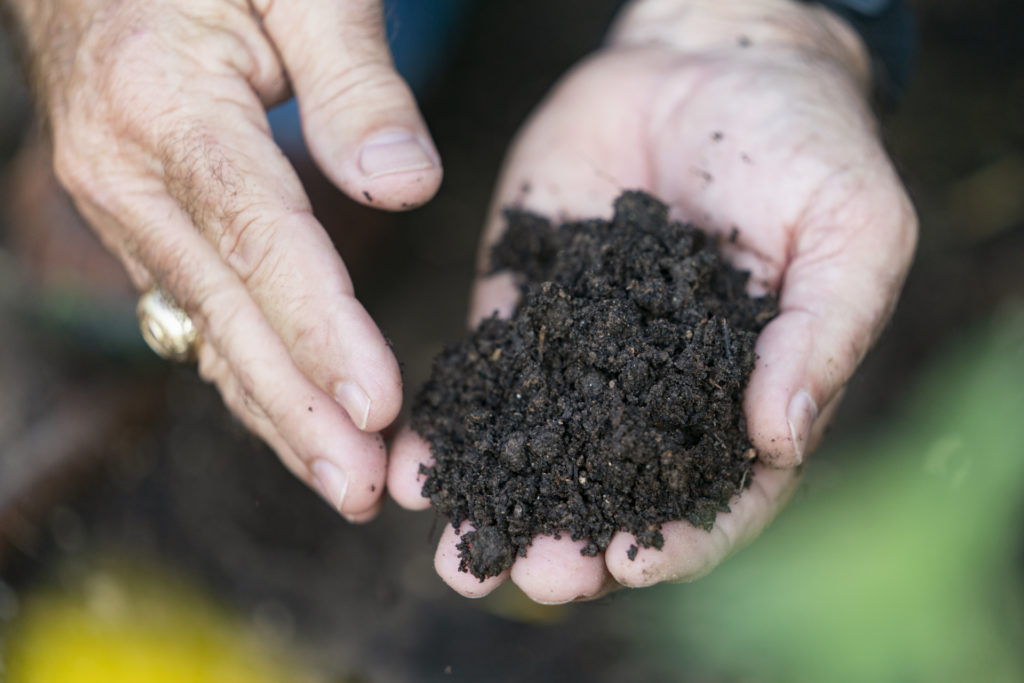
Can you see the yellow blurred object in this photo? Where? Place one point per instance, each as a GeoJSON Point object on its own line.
{"type": "Point", "coordinates": [125, 623]}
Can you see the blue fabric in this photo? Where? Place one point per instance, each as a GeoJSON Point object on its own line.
{"type": "Point", "coordinates": [889, 30]}
{"type": "Point", "coordinates": [868, 7]}
{"type": "Point", "coordinates": [421, 34]}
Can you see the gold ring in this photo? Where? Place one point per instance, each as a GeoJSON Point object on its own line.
{"type": "Point", "coordinates": [166, 328]}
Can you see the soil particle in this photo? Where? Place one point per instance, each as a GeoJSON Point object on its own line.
{"type": "Point", "coordinates": [612, 399]}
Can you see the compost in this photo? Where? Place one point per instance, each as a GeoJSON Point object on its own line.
{"type": "Point", "coordinates": [612, 398]}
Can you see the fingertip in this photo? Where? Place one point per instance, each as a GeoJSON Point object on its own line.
{"type": "Point", "coordinates": [801, 413]}
{"type": "Point", "coordinates": [356, 402]}
{"type": "Point", "coordinates": [374, 408]}
{"type": "Point", "coordinates": [398, 170]}
{"type": "Point", "coordinates": [777, 442]}
{"type": "Point", "coordinates": [366, 379]}
{"type": "Point", "coordinates": [359, 116]}
{"type": "Point", "coordinates": [333, 340]}
{"type": "Point", "coordinates": [394, 169]}
{"type": "Point", "coordinates": [554, 571]}
{"type": "Point", "coordinates": [788, 439]}
{"type": "Point", "coordinates": [361, 464]}
{"type": "Point", "coordinates": [367, 515]}
{"type": "Point", "coordinates": [366, 133]}
{"type": "Point", "coordinates": [405, 481]}
{"type": "Point", "coordinates": [778, 402]}
{"type": "Point", "coordinates": [687, 554]}
{"type": "Point", "coordinates": [446, 563]}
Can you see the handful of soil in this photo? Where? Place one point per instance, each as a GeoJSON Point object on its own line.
{"type": "Point", "coordinates": [612, 400]}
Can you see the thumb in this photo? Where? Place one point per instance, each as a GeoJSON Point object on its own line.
{"type": "Point", "coordinates": [838, 291]}
{"type": "Point", "coordinates": [359, 117]}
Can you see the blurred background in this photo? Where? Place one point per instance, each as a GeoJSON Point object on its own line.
{"type": "Point", "coordinates": [145, 536]}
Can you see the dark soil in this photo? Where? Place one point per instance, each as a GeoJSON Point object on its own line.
{"type": "Point", "coordinates": [612, 400]}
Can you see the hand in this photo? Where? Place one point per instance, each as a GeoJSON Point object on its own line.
{"type": "Point", "coordinates": [157, 113]}
{"type": "Point", "coordinates": [742, 115]}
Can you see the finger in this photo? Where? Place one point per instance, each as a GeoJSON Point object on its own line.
{"type": "Point", "coordinates": [246, 199]}
{"type": "Point", "coordinates": [346, 465]}
{"type": "Point", "coordinates": [367, 515]}
{"type": "Point", "coordinates": [690, 552]}
{"type": "Point", "coordinates": [360, 118]}
{"type": "Point", "coordinates": [839, 290]}
{"type": "Point", "coordinates": [409, 452]}
{"type": "Point", "coordinates": [552, 571]}
{"type": "Point", "coordinates": [555, 572]}
{"type": "Point", "coordinates": [345, 462]}
{"type": "Point", "coordinates": [446, 563]}
{"type": "Point", "coordinates": [610, 586]}
{"type": "Point", "coordinates": [213, 368]}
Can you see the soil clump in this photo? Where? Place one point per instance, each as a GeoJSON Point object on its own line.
{"type": "Point", "coordinates": [611, 400]}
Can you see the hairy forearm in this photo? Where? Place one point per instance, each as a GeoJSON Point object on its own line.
{"type": "Point", "coordinates": [711, 25]}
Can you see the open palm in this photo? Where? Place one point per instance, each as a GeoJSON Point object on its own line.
{"type": "Point", "coordinates": [768, 144]}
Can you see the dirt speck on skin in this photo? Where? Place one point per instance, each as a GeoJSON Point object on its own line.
{"type": "Point", "coordinates": [612, 400]}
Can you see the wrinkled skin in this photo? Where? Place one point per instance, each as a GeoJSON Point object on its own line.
{"type": "Point", "coordinates": [768, 134]}
{"type": "Point", "coordinates": [157, 115]}
{"type": "Point", "coordinates": [156, 109]}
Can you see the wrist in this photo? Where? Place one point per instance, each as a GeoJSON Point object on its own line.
{"type": "Point", "coordinates": [775, 26]}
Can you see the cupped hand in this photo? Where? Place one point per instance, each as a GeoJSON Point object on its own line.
{"type": "Point", "coordinates": [739, 126]}
{"type": "Point", "coordinates": [157, 111]}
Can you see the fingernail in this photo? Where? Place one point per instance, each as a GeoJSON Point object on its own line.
{"type": "Point", "coordinates": [355, 401]}
{"type": "Point", "coordinates": [801, 416]}
{"type": "Point", "coordinates": [395, 152]}
{"type": "Point", "coordinates": [330, 481]}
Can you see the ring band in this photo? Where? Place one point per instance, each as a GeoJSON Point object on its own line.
{"type": "Point", "coordinates": [166, 328]}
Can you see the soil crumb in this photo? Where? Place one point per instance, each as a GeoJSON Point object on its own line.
{"type": "Point", "coordinates": [612, 400]}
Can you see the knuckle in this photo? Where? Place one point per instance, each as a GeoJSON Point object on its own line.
{"type": "Point", "coordinates": [244, 244]}
{"type": "Point", "coordinates": [311, 336]}
{"type": "Point", "coordinates": [239, 397]}
{"type": "Point", "coordinates": [312, 329]}
{"type": "Point", "coordinates": [247, 404]}
{"type": "Point", "coordinates": [368, 82]}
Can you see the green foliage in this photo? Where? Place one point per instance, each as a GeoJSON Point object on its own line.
{"type": "Point", "coordinates": [902, 563]}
